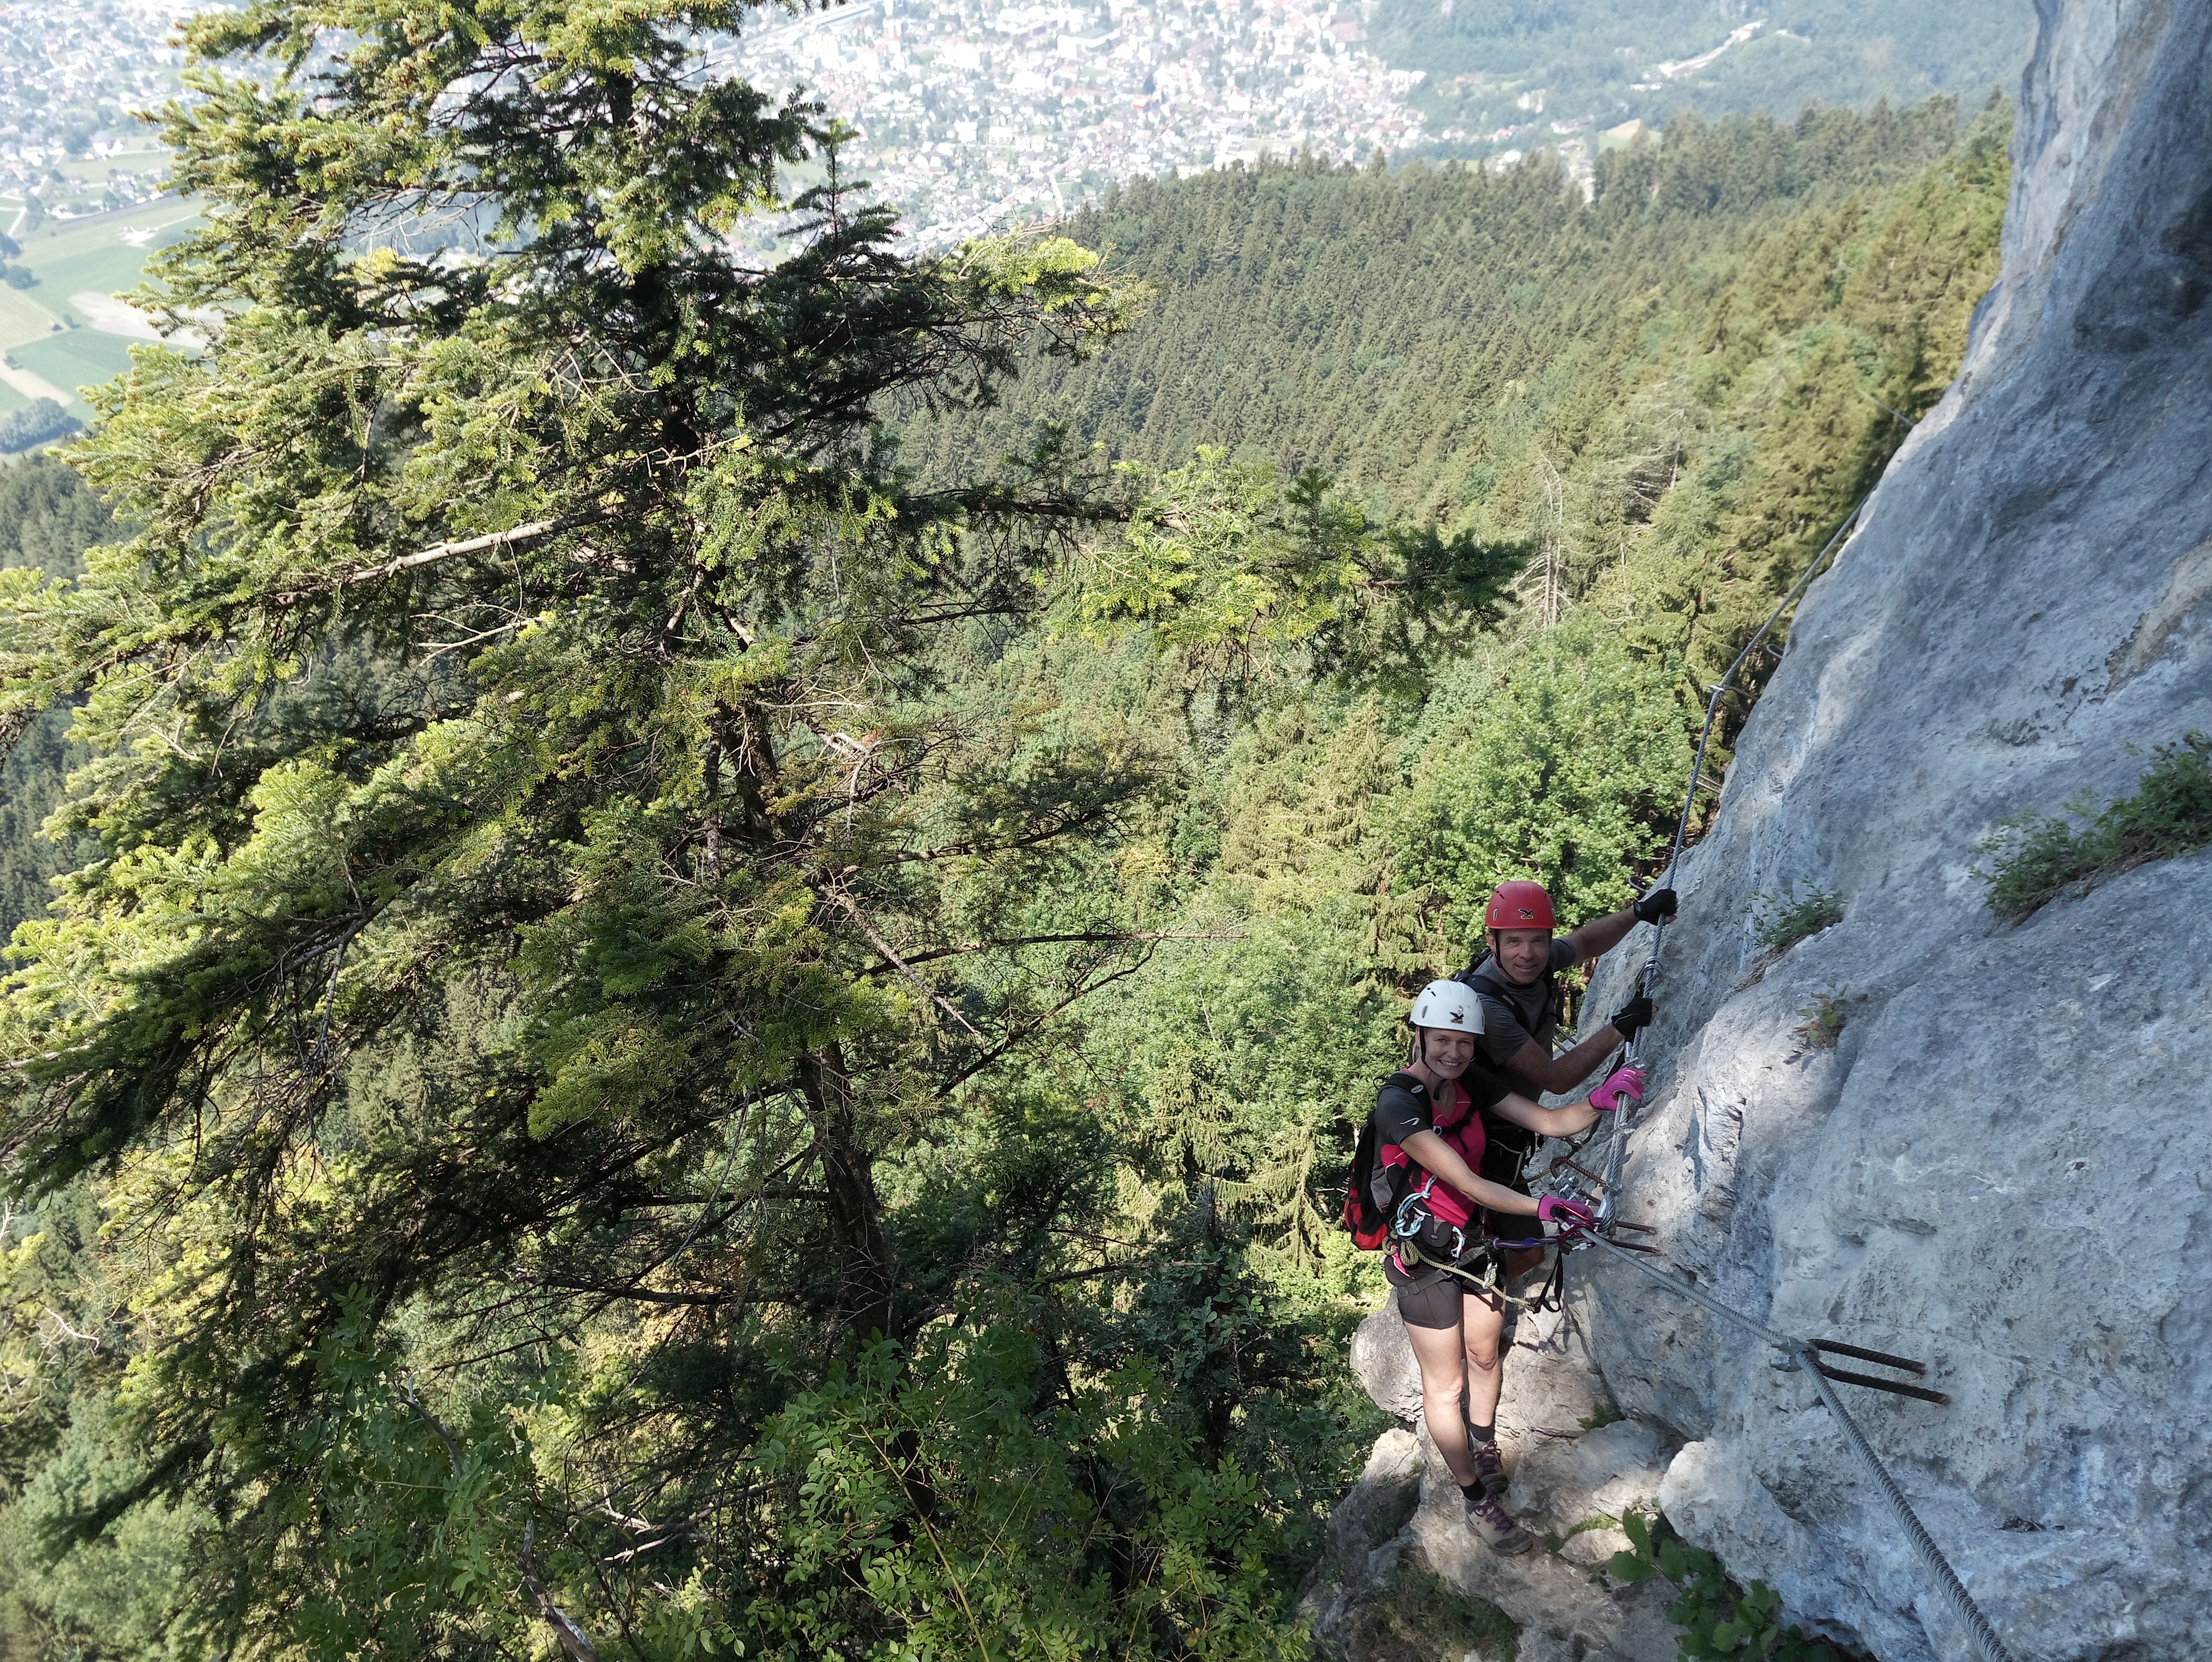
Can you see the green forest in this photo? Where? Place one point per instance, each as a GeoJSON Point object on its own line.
{"type": "Point", "coordinates": [707, 943]}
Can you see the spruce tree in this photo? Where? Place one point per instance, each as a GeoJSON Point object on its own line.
{"type": "Point", "coordinates": [537, 873]}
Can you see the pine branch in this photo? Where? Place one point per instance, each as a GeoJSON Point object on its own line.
{"type": "Point", "coordinates": [537, 531]}
{"type": "Point", "coordinates": [1103, 937]}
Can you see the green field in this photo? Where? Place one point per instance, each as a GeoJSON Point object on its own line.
{"type": "Point", "coordinates": [22, 317]}
{"type": "Point", "coordinates": [44, 330]}
{"type": "Point", "coordinates": [80, 255]}
{"type": "Point", "coordinates": [79, 357]}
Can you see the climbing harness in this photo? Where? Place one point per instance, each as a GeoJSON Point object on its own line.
{"type": "Point", "coordinates": [1489, 1283]}
{"type": "Point", "coordinates": [1568, 1178]}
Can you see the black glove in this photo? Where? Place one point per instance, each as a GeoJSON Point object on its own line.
{"type": "Point", "coordinates": [1659, 903]}
{"type": "Point", "coordinates": [1636, 1013]}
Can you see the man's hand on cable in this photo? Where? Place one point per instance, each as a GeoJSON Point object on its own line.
{"type": "Point", "coordinates": [1623, 1088]}
{"type": "Point", "coordinates": [1635, 1014]}
{"type": "Point", "coordinates": [1659, 903]}
{"type": "Point", "coordinates": [1571, 1215]}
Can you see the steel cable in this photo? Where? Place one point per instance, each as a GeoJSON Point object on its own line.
{"type": "Point", "coordinates": [1983, 1637]}
{"type": "Point", "coordinates": [1617, 1148]}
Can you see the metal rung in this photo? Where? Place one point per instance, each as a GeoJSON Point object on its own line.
{"type": "Point", "coordinates": [1836, 1347]}
{"type": "Point", "coordinates": [1895, 1388]}
{"type": "Point", "coordinates": [1581, 1170]}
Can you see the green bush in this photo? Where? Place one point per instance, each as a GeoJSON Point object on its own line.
{"type": "Point", "coordinates": [1824, 1019]}
{"type": "Point", "coordinates": [1784, 917]}
{"type": "Point", "coordinates": [2035, 855]}
{"type": "Point", "coordinates": [1718, 1618]}
{"type": "Point", "coordinates": [1564, 763]}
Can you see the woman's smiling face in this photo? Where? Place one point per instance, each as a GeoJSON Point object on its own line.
{"type": "Point", "coordinates": [1447, 1050]}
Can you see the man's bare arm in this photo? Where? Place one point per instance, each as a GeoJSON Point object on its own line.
{"type": "Point", "coordinates": [1561, 1073]}
{"type": "Point", "coordinates": [1600, 935]}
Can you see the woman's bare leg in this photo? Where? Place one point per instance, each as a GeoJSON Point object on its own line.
{"type": "Point", "coordinates": [1479, 1327]}
{"type": "Point", "coordinates": [1442, 1358]}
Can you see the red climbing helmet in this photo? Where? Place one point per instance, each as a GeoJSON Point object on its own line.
{"type": "Point", "coordinates": [1521, 905]}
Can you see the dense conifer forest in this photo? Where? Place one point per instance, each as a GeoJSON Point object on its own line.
{"type": "Point", "coordinates": [729, 928]}
{"type": "Point", "coordinates": [47, 520]}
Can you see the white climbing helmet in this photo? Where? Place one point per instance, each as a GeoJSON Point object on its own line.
{"type": "Point", "coordinates": [1449, 1006]}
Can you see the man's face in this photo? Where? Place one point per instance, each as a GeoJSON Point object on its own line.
{"type": "Point", "coordinates": [1522, 954]}
{"type": "Point", "coordinates": [1447, 1050]}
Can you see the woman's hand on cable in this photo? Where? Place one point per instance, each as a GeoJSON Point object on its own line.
{"type": "Point", "coordinates": [1571, 1215]}
{"type": "Point", "coordinates": [1623, 1088]}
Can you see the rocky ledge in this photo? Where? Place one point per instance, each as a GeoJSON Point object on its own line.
{"type": "Point", "coordinates": [1576, 1466]}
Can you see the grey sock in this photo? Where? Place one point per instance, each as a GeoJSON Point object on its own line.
{"type": "Point", "coordinates": [1482, 1434]}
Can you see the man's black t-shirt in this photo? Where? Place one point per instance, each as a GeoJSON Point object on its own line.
{"type": "Point", "coordinates": [1511, 1016]}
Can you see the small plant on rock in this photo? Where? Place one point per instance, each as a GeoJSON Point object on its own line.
{"type": "Point", "coordinates": [1782, 917]}
{"type": "Point", "coordinates": [1555, 1543]}
{"type": "Point", "coordinates": [1824, 1019]}
{"type": "Point", "coordinates": [2034, 856]}
{"type": "Point", "coordinates": [1718, 1618]}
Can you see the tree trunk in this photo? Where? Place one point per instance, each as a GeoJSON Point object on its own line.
{"type": "Point", "coordinates": [855, 1219]}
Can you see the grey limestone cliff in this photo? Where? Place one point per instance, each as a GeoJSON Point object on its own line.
{"type": "Point", "coordinates": [2003, 1165]}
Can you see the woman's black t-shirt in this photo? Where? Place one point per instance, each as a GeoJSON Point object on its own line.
{"type": "Point", "coordinates": [1401, 1112]}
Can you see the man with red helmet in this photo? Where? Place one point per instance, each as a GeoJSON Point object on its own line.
{"type": "Point", "coordinates": [1517, 981]}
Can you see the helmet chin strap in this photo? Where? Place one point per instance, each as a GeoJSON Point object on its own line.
{"type": "Point", "coordinates": [1421, 1049]}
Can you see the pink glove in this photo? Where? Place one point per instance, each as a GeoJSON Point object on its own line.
{"type": "Point", "coordinates": [1625, 1085]}
{"type": "Point", "coordinates": [1558, 1209]}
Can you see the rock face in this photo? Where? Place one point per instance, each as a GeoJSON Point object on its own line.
{"type": "Point", "coordinates": [2000, 1167]}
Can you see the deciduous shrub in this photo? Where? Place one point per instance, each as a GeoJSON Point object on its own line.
{"type": "Point", "coordinates": [1717, 1618]}
{"type": "Point", "coordinates": [2033, 855]}
{"type": "Point", "coordinates": [1782, 918]}
{"type": "Point", "coordinates": [1824, 1019]}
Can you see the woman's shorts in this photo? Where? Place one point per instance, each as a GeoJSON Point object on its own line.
{"type": "Point", "coordinates": [1436, 1300]}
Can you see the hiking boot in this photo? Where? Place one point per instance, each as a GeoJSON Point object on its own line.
{"type": "Point", "coordinates": [1494, 1525]}
{"type": "Point", "coordinates": [1489, 1467]}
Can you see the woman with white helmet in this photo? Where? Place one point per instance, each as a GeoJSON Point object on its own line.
{"type": "Point", "coordinates": [1429, 1124]}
